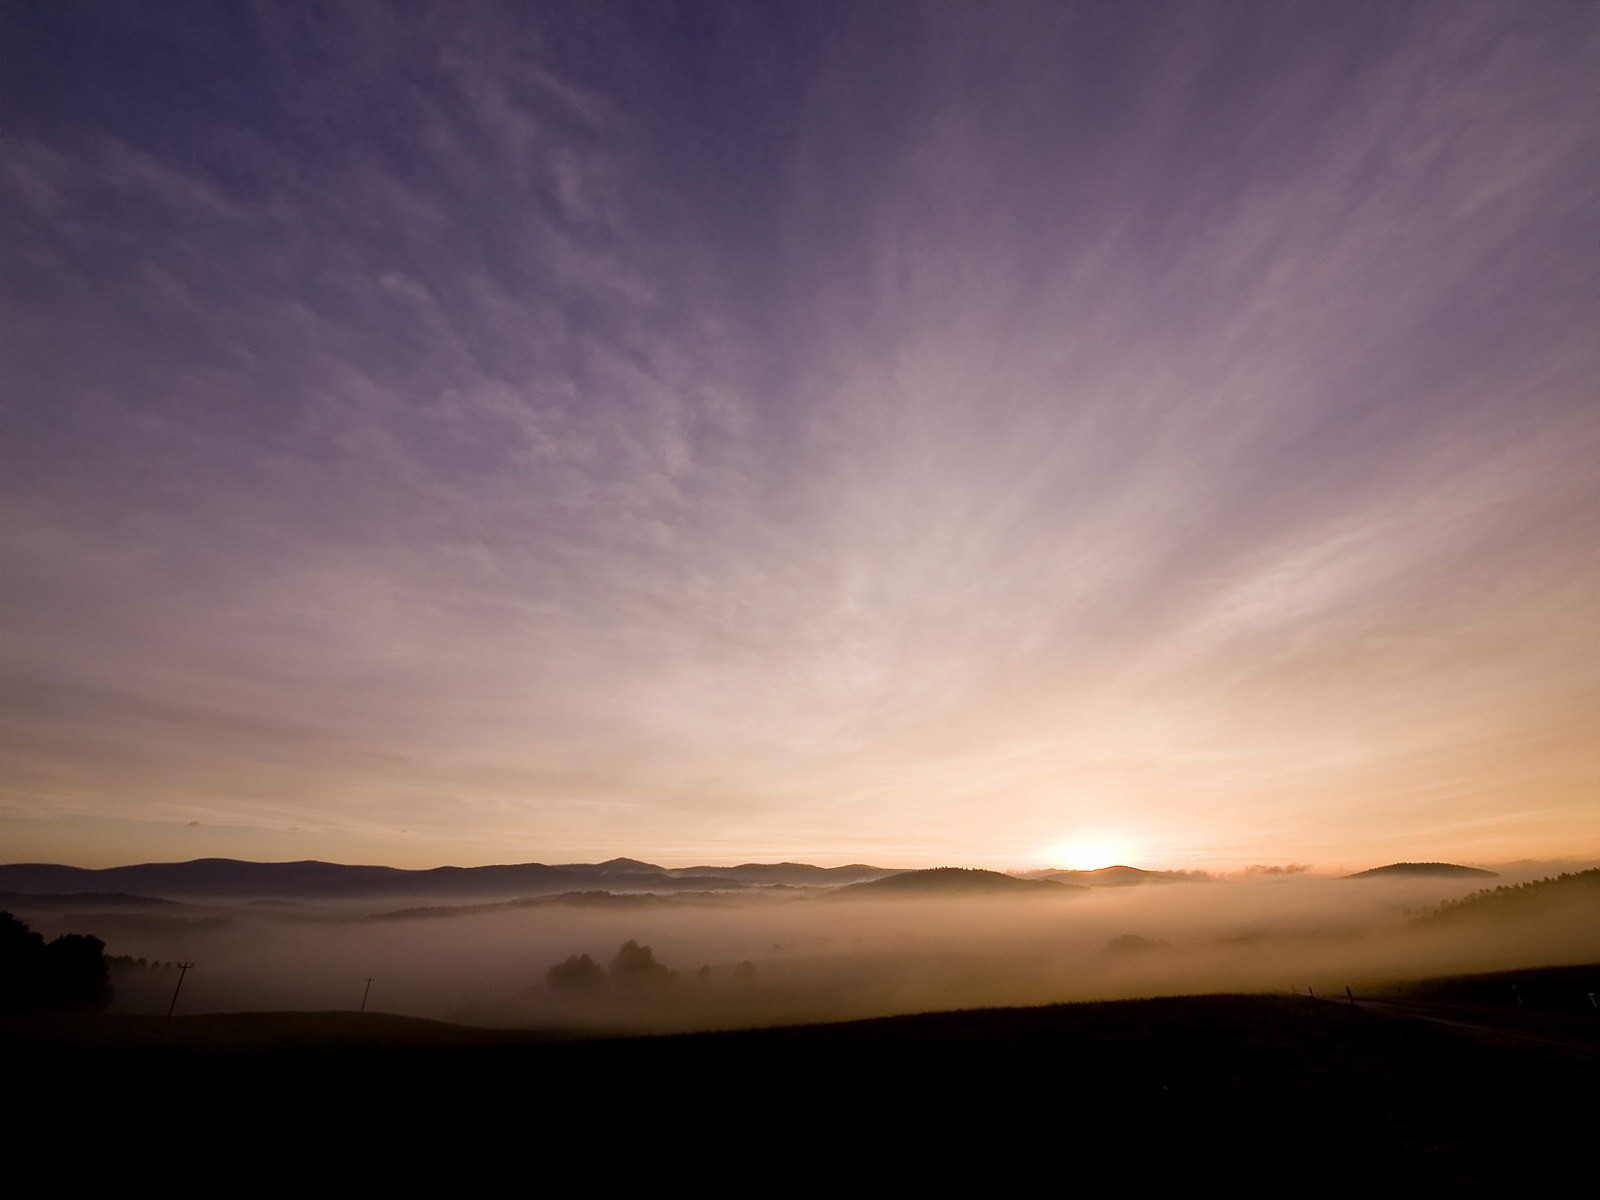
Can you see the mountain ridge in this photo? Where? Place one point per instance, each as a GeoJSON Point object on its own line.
{"type": "Point", "coordinates": [949, 881]}
{"type": "Point", "coordinates": [234, 878]}
{"type": "Point", "coordinates": [1119, 875]}
{"type": "Point", "coordinates": [1427, 870]}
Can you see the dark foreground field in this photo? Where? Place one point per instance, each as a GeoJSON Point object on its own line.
{"type": "Point", "coordinates": [1253, 1094]}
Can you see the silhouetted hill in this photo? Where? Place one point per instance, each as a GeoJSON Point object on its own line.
{"type": "Point", "coordinates": [1152, 1090]}
{"type": "Point", "coordinates": [235, 879]}
{"type": "Point", "coordinates": [98, 901]}
{"type": "Point", "coordinates": [261, 1031]}
{"type": "Point", "coordinates": [949, 881]}
{"type": "Point", "coordinates": [1535, 992]}
{"type": "Point", "coordinates": [614, 868]}
{"type": "Point", "coordinates": [205, 877]}
{"type": "Point", "coordinates": [1118, 876]}
{"type": "Point", "coordinates": [115, 912]}
{"type": "Point", "coordinates": [795, 874]}
{"type": "Point", "coordinates": [1432, 870]}
{"type": "Point", "coordinates": [1579, 890]}
{"type": "Point", "coordinates": [604, 900]}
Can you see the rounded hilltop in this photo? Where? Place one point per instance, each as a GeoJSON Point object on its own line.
{"type": "Point", "coordinates": [1426, 869]}
{"type": "Point", "coordinates": [952, 881]}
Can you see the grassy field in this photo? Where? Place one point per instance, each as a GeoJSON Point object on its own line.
{"type": "Point", "coordinates": [1548, 990]}
{"type": "Point", "coordinates": [1304, 1093]}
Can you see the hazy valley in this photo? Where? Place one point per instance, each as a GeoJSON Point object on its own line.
{"type": "Point", "coordinates": [731, 947]}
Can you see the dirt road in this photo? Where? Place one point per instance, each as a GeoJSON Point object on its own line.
{"type": "Point", "coordinates": [1577, 1032]}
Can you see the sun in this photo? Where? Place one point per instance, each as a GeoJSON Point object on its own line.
{"type": "Point", "coordinates": [1083, 856]}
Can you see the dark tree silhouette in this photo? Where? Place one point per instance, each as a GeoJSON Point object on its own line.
{"type": "Point", "coordinates": [578, 975]}
{"type": "Point", "coordinates": [634, 968]}
{"type": "Point", "coordinates": [67, 975]}
{"type": "Point", "coordinates": [21, 964]}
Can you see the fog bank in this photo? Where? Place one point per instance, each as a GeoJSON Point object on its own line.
{"type": "Point", "coordinates": [718, 961]}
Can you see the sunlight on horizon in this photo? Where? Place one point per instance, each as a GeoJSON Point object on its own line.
{"type": "Point", "coordinates": [647, 451]}
{"type": "Point", "coordinates": [1087, 856]}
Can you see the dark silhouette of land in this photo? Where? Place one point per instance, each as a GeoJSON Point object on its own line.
{"type": "Point", "coordinates": [1578, 890]}
{"type": "Point", "coordinates": [68, 902]}
{"type": "Point", "coordinates": [1151, 1092]}
{"type": "Point", "coordinates": [67, 974]}
{"type": "Point", "coordinates": [219, 878]}
{"type": "Point", "coordinates": [1536, 990]}
{"type": "Point", "coordinates": [1459, 1085]}
{"type": "Point", "coordinates": [1117, 876]}
{"type": "Point", "coordinates": [949, 881]}
{"type": "Point", "coordinates": [1428, 870]}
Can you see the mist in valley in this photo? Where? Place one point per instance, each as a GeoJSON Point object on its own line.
{"type": "Point", "coordinates": [777, 956]}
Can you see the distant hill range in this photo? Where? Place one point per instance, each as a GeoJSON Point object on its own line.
{"type": "Point", "coordinates": [1432, 870]}
{"type": "Point", "coordinates": [227, 878]}
{"type": "Point", "coordinates": [949, 881]}
{"type": "Point", "coordinates": [99, 901]}
{"type": "Point", "coordinates": [1118, 876]}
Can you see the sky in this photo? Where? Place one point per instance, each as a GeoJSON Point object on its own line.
{"type": "Point", "coordinates": [912, 434]}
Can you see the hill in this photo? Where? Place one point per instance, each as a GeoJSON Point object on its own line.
{"type": "Point", "coordinates": [1118, 876]}
{"type": "Point", "coordinates": [791, 874]}
{"type": "Point", "coordinates": [227, 878]}
{"type": "Point", "coordinates": [619, 901]}
{"type": "Point", "coordinates": [1532, 993]}
{"type": "Point", "coordinates": [950, 881]}
{"type": "Point", "coordinates": [1428, 870]}
{"type": "Point", "coordinates": [76, 900]}
{"type": "Point", "coordinates": [1159, 1089]}
{"type": "Point", "coordinates": [1579, 891]}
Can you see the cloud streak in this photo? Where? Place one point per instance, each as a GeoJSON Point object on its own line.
{"type": "Point", "coordinates": [669, 432]}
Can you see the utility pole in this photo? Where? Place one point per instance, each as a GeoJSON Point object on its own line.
{"type": "Point", "coordinates": [183, 969]}
{"type": "Point", "coordinates": [365, 992]}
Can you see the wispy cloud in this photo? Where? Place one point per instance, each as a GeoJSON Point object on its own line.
{"type": "Point", "coordinates": [550, 436]}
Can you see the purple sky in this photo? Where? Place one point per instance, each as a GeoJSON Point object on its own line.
{"type": "Point", "coordinates": [940, 433]}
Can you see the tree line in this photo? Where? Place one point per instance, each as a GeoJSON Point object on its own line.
{"type": "Point", "coordinates": [632, 971]}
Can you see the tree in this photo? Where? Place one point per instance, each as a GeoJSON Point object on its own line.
{"type": "Point", "coordinates": [578, 975]}
{"type": "Point", "coordinates": [69, 974]}
{"type": "Point", "coordinates": [634, 968]}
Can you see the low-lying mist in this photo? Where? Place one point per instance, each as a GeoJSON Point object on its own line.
{"type": "Point", "coordinates": [757, 958]}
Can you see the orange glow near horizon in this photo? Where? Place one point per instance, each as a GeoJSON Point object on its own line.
{"type": "Point", "coordinates": [1088, 856]}
{"type": "Point", "coordinates": [1178, 452]}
